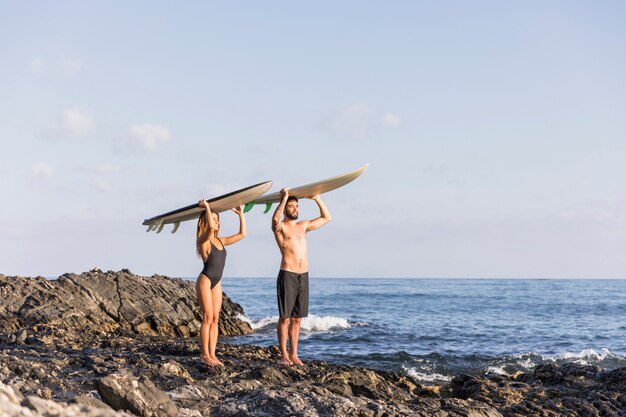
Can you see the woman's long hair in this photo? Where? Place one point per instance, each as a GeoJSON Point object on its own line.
{"type": "Point", "coordinates": [203, 225]}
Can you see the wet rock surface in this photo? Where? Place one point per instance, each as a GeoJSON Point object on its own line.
{"type": "Point", "coordinates": [163, 376]}
{"type": "Point", "coordinates": [549, 390]}
{"type": "Point", "coordinates": [117, 367]}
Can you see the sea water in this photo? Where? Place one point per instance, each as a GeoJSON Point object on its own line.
{"type": "Point", "coordinates": [434, 329]}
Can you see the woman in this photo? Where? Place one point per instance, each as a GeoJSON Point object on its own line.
{"type": "Point", "coordinates": [211, 249]}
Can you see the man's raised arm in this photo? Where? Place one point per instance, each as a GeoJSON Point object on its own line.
{"type": "Point", "coordinates": [324, 217]}
{"type": "Point", "coordinates": [279, 210]}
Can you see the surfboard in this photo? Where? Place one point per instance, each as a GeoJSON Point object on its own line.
{"type": "Point", "coordinates": [222, 203]}
{"type": "Point", "coordinates": [308, 190]}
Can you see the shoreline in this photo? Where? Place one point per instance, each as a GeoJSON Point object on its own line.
{"type": "Point", "coordinates": [66, 367]}
{"type": "Point", "coordinates": [97, 342]}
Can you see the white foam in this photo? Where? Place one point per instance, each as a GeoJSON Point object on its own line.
{"type": "Point", "coordinates": [243, 317]}
{"type": "Point", "coordinates": [315, 323]}
{"type": "Point", "coordinates": [582, 357]}
{"type": "Point", "coordinates": [258, 324]}
{"type": "Point", "coordinates": [423, 377]}
{"type": "Point", "coordinates": [527, 360]}
{"type": "Point", "coordinates": [312, 323]}
{"type": "Point", "coordinates": [527, 363]}
{"type": "Point", "coordinates": [496, 370]}
{"type": "Point", "coordinates": [585, 354]}
{"type": "Point", "coordinates": [267, 321]}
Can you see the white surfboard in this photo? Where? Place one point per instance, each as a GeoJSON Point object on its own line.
{"type": "Point", "coordinates": [222, 203]}
{"type": "Point", "coordinates": [308, 190]}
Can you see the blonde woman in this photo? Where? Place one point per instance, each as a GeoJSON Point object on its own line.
{"type": "Point", "coordinates": [211, 248]}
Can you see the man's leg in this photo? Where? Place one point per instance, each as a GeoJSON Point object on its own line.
{"type": "Point", "coordinates": [301, 309]}
{"type": "Point", "coordinates": [294, 333]}
{"type": "Point", "coordinates": [282, 328]}
{"type": "Point", "coordinates": [286, 299]}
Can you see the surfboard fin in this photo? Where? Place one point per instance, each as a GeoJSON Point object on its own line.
{"type": "Point", "coordinates": [176, 225]}
{"type": "Point", "coordinates": [150, 227]}
{"type": "Point", "coordinates": [248, 207]}
{"type": "Point", "coordinates": [268, 206]}
{"type": "Point", "coordinates": [159, 226]}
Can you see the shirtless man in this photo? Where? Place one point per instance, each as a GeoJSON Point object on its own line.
{"type": "Point", "coordinates": [292, 284]}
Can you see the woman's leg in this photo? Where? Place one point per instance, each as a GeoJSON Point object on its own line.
{"type": "Point", "coordinates": [203, 293]}
{"type": "Point", "coordinates": [216, 299]}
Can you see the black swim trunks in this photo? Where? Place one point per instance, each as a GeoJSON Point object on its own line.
{"type": "Point", "coordinates": [293, 294]}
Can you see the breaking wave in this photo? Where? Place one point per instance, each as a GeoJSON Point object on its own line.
{"type": "Point", "coordinates": [312, 323]}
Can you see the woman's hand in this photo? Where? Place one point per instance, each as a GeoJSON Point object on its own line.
{"type": "Point", "coordinates": [205, 204]}
{"type": "Point", "coordinates": [238, 210]}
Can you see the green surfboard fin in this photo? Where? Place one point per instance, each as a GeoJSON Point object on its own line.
{"type": "Point", "coordinates": [268, 206]}
{"type": "Point", "coordinates": [248, 207]}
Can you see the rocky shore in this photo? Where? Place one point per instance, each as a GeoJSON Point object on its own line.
{"type": "Point", "coordinates": [117, 344]}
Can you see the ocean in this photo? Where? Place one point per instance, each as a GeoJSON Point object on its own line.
{"type": "Point", "coordinates": [435, 329]}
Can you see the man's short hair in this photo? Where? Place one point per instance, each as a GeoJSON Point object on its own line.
{"type": "Point", "coordinates": [292, 198]}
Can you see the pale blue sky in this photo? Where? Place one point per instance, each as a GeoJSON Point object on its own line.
{"type": "Point", "coordinates": [495, 133]}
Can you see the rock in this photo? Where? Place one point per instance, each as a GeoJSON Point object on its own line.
{"type": "Point", "coordinates": [97, 302]}
{"type": "Point", "coordinates": [549, 390]}
{"type": "Point", "coordinates": [142, 368]}
{"type": "Point", "coordinates": [13, 405]}
{"type": "Point", "coordinates": [10, 395]}
{"type": "Point", "coordinates": [21, 336]}
{"type": "Point", "coordinates": [139, 396]}
{"type": "Point", "coordinates": [90, 401]}
{"type": "Point", "coordinates": [175, 369]}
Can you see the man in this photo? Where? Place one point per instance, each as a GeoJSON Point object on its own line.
{"type": "Point", "coordinates": [292, 284]}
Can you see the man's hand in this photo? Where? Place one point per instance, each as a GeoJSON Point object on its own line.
{"type": "Point", "coordinates": [284, 192]}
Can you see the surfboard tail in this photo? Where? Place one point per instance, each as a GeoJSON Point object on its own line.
{"type": "Point", "coordinates": [242, 197]}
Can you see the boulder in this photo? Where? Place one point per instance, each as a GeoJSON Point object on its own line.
{"type": "Point", "coordinates": [13, 405]}
{"type": "Point", "coordinates": [139, 396]}
{"type": "Point", "coordinates": [103, 302]}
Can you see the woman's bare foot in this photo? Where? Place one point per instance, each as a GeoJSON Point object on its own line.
{"type": "Point", "coordinates": [209, 361]}
{"type": "Point", "coordinates": [295, 360]}
{"type": "Point", "coordinates": [217, 361]}
{"type": "Point", "coordinates": [286, 362]}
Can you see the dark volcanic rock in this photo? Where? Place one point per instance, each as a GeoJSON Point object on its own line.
{"type": "Point", "coordinates": [99, 302]}
{"type": "Point", "coordinates": [128, 338]}
{"type": "Point", "coordinates": [549, 390]}
{"type": "Point", "coordinates": [90, 401]}
{"type": "Point", "coordinates": [251, 383]}
{"type": "Point", "coordinates": [141, 397]}
{"type": "Point", "coordinates": [12, 405]}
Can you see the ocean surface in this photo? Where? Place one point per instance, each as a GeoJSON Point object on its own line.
{"type": "Point", "coordinates": [434, 329]}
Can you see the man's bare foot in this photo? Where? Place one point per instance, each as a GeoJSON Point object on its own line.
{"type": "Point", "coordinates": [286, 362]}
{"type": "Point", "coordinates": [295, 360]}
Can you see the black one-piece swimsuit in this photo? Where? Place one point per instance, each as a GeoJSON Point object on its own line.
{"type": "Point", "coordinates": [214, 265]}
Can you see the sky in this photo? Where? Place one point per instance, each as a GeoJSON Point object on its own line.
{"type": "Point", "coordinates": [495, 133]}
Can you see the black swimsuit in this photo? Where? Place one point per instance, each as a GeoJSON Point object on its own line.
{"type": "Point", "coordinates": [214, 265]}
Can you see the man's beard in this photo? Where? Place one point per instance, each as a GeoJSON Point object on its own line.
{"type": "Point", "coordinates": [291, 216]}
